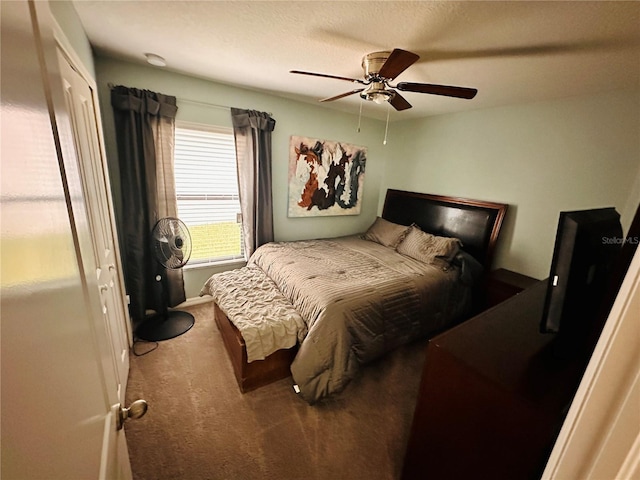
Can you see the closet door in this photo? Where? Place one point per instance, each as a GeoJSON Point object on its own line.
{"type": "Point", "coordinates": [84, 119]}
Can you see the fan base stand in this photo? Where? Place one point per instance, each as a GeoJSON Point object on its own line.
{"type": "Point", "coordinates": [164, 327]}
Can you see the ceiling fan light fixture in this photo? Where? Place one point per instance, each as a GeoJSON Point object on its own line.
{"type": "Point", "coordinates": [379, 98]}
{"type": "Point", "coordinates": [377, 93]}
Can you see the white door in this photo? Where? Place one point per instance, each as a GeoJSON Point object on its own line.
{"type": "Point", "coordinates": [84, 121]}
{"type": "Point", "coordinates": [59, 396]}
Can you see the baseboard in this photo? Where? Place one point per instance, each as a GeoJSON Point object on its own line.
{"type": "Point", "coordinates": [189, 302]}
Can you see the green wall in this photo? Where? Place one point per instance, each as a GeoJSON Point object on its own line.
{"type": "Point", "coordinates": [540, 158]}
{"type": "Point", "coordinates": [292, 118]}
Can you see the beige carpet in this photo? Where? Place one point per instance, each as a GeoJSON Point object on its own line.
{"type": "Point", "coordinates": [199, 425]}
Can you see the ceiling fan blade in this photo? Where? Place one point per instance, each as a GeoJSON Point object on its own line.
{"type": "Point", "coordinates": [342, 95]}
{"type": "Point", "coordinates": [324, 75]}
{"type": "Point", "coordinates": [399, 103]}
{"type": "Point", "coordinates": [398, 61]}
{"type": "Point", "coordinates": [445, 90]}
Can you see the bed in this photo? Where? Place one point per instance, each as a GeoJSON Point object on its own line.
{"type": "Point", "coordinates": [320, 309]}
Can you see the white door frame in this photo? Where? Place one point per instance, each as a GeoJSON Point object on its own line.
{"type": "Point", "coordinates": [600, 437]}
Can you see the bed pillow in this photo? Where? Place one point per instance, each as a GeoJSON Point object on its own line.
{"type": "Point", "coordinates": [386, 233]}
{"type": "Point", "coordinates": [428, 248]}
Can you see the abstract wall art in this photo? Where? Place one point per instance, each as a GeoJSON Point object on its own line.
{"type": "Point", "coordinates": [325, 177]}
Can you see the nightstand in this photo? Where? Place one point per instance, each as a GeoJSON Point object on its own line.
{"type": "Point", "coordinates": [502, 284]}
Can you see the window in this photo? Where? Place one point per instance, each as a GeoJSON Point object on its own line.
{"type": "Point", "coordinates": [207, 192]}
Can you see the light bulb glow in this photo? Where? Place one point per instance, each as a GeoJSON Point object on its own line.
{"type": "Point", "coordinates": [379, 98]}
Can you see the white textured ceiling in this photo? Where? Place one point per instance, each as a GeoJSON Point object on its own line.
{"type": "Point", "coordinates": [512, 52]}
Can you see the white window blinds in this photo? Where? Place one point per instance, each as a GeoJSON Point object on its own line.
{"type": "Point", "coordinates": [207, 191]}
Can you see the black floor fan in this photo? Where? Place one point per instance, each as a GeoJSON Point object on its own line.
{"type": "Point", "coordinates": [171, 243]}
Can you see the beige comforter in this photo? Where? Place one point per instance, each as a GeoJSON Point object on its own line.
{"type": "Point", "coordinates": [358, 300]}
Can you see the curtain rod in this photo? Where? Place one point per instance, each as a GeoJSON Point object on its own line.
{"type": "Point", "coordinates": [207, 104]}
{"type": "Point", "coordinates": [195, 102]}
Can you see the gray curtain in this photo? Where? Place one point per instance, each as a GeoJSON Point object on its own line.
{"type": "Point", "coordinates": [145, 131]}
{"type": "Point", "coordinates": [252, 133]}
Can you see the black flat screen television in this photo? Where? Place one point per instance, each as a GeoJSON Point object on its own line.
{"type": "Point", "coordinates": [586, 247]}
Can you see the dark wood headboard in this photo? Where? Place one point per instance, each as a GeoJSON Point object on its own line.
{"type": "Point", "coordinates": [475, 222]}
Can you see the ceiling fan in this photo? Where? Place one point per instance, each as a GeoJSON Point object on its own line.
{"type": "Point", "coordinates": [380, 68]}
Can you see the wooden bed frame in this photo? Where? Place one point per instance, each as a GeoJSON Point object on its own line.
{"type": "Point", "coordinates": [476, 223]}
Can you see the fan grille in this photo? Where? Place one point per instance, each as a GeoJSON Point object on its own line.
{"type": "Point", "coordinates": [171, 242]}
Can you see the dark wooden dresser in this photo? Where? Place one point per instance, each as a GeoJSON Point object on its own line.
{"type": "Point", "coordinates": [503, 284]}
{"type": "Point", "coordinates": [492, 397]}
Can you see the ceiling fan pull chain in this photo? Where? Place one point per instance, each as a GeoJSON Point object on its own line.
{"type": "Point", "coordinates": [386, 128]}
{"type": "Point", "coordinates": [359, 117]}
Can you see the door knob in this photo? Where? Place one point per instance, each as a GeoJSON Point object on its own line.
{"type": "Point", "coordinates": [136, 410]}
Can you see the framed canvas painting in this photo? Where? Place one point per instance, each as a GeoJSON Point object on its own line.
{"type": "Point", "coordinates": [325, 177]}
